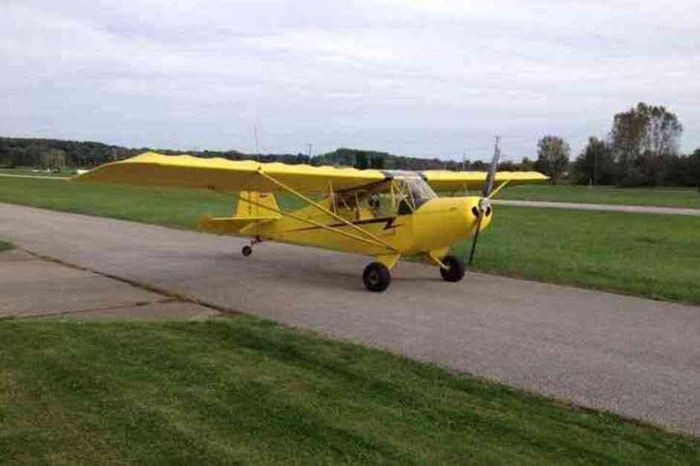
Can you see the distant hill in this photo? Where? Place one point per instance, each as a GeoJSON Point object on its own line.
{"type": "Point", "coordinates": [55, 153]}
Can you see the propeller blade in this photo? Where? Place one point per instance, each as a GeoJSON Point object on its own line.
{"type": "Point", "coordinates": [491, 177]}
{"type": "Point", "coordinates": [488, 186]}
{"type": "Point", "coordinates": [476, 238]}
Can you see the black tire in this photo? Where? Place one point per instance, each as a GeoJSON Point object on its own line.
{"type": "Point", "coordinates": [455, 270]}
{"type": "Point", "coordinates": [376, 277]}
{"type": "Point", "coordinates": [247, 251]}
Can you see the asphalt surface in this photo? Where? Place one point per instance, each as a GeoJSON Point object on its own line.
{"type": "Point", "coordinates": [636, 357]}
{"type": "Point", "coordinates": [32, 287]}
{"type": "Point", "coordinates": [603, 207]}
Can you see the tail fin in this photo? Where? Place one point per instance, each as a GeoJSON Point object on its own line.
{"type": "Point", "coordinates": [250, 211]}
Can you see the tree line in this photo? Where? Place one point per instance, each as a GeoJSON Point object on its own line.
{"type": "Point", "coordinates": [641, 149]}
{"type": "Point", "coordinates": [58, 154]}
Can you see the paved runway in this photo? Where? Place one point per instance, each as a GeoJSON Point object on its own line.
{"type": "Point", "coordinates": [637, 357]}
{"type": "Point", "coordinates": [31, 287]}
{"type": "Point", "coordinates": [36, 177]}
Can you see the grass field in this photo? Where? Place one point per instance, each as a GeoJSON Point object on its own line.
{"type": "Point", "coordinates": [5, 246]}
{"type": "Point", "coordinates": [654, 256]}
{"type": "Point", "coordinates": [169, 207]}
{"type": "Point", "coordinates": [646, 255]}
{"type": "Point", "coordinates": [671, 197]}
{"type": "Point", "coordinates": [247, 391]}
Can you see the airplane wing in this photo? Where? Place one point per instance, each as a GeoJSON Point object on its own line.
{"type": "Point", "coordinates": [184, 171]}
{"type": "Point", "coordinates": [445, 181]}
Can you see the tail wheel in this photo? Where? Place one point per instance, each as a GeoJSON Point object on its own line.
{"type": "Point", "coordinates": [455, 269]}
{"type": "Point", "coordinates": [247, 251]}
{"type": "Point", "coordinates": [376, 277]}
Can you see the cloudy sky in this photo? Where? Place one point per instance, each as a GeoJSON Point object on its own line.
{"type": "Point", "coordinates": [430, 78]}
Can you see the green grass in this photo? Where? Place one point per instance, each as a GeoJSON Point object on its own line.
{"type": "Point", "coordinates": [646, 255]}
{"type": "Point", "coordinates": [671, 197]}
{"type": "Point", "coordinates": [654, 256]}
{"type": "Point", "coordinates": [169, 207]}
{"type": "Point", "coordinates": [5, 246]}
{"type": "Point", "coordinates": [247, 391]}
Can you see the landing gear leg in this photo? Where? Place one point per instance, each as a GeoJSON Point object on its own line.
{"type": "Point", "coordinates": [376, 277]}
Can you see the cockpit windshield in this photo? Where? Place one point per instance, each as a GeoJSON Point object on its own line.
{"type": "Point", "coordinates": [413, 191]}
{"type": "Point", "coordinates": [402, 194]}
{"type": "Point", "coordinates": [419, 190]}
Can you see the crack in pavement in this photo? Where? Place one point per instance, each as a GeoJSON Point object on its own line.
{"type": "Point", "coordinates": [171, 296]}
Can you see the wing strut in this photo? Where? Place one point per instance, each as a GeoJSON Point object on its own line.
{"type": "Point", "coordinates": [370, 236]}
{"type": "Point", "coordinates": [318, 224]}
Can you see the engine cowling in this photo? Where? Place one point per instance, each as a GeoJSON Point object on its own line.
{"type": "Point", "coordinates": [441, 222]}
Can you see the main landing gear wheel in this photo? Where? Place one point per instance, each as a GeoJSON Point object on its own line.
{"type": "Point", "coordinates": [455, 269]}
{"type": "Point", "coordinates": [247, 251]}
{"type": "Point", "coordinates": [376, 277]}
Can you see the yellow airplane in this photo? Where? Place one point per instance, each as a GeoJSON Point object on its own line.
{"type": "Point", "coordinates": [386, 214]}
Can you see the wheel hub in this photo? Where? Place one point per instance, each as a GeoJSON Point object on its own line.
{"type": "Point", "coordinates": [373, 277]}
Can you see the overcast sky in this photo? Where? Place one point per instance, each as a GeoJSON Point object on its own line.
{"type": "Point", "coordinates": [430, 78]}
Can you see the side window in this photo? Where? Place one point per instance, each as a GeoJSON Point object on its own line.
{"type": "Point", "coordinates": [404, 207]}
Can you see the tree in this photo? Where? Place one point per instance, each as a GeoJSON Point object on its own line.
{"type": "Point", "coordinates": [52, 159]}
{"type": "Point", "coordinates": [527, 164]}
{"type": "Point", "coordinates": [595, 165]}
{"type": "Point", "coordinates": [552, 156]}
{"type": "Point", "coordinates": [479, 165]}
{"type": "Point", "coordinates": [5, 156]}
{"type": "Point", "coordinates": [377, 163]}
{"type": "Point", "coordinates": [642, 138]}
{"type": "Point", "coordinates": [507, 166]}
{"type": "Point", "coordinates": [361, 161]}
{"type": "Point", "coordinates": [694, 168]}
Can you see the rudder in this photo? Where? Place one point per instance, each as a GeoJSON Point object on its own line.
{"type": "Point", "coordinates": [250, 212]}
{"type": "Point", "coordinates": [256, 207]}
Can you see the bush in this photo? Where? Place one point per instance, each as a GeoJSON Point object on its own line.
{"type": "Point", "coordinates": [635, 178]}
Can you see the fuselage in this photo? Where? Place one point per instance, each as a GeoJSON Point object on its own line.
{"type": "Point", "coordinates": [435, 225]}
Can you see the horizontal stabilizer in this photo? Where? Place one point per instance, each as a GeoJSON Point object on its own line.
{"type": "Point", "coordinates": [231, 225]}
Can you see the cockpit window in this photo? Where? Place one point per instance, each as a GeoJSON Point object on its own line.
{"type": "Point", "coordinates": [414, 191]}
{"type": "Point", "coordinates": [402, 193]}
{"type": "Point", "coordinates": [421, 191]}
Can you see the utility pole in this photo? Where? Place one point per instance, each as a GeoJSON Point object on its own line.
{"type": "Point", "coordinates": [310, 149]}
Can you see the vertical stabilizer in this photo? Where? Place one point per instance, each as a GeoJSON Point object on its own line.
{"type": "Point", "coordinates": [249, 214]}
{"type": "Point", "coordinates": [253, 203]}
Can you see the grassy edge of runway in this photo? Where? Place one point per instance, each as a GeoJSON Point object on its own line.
{"type": "Point", "coordinates": [248, 391]}
{"type": "Point", "coordinates": [5, 246]}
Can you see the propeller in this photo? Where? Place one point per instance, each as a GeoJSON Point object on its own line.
{"type": "Point", "coordinates": [484, 202]}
